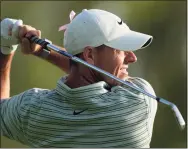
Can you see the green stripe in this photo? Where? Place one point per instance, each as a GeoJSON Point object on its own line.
{"type": "Point", "coordinates": [118, 118]}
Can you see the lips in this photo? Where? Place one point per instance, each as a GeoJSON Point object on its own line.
{"type": "Point", "coordinates": [124, 70]}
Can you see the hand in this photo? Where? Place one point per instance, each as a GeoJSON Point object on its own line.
{"type": "Point", "coordinates": [26, 31]}
{"type": "Point", "coordinates": [9, 35]}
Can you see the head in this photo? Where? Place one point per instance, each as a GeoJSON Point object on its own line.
{"type": "Point", "coordinates": [102, 39]}
{"type": "Point", "coordinates": [109, 59]}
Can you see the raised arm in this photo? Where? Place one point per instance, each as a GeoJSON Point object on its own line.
{"type": "Point", "coordinates": [27, 48]}
{"type": "Point", "coordinates": [57, 59]}
{"type": "Point", "coordinates": [5, 67]}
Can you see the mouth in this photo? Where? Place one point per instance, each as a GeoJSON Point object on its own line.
{"type": "Point", "coordinates": [124, 70]}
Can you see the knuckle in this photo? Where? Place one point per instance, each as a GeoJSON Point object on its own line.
{"type": "Point", "coordinates": [27, 28]}
{"type": "Point", "coordinates": [33, 32]}
{"type": "Point", "coordinates": [39, 33]}
{"type": "Point", "coordinates": [28, 31]}
{"type": "Point", "coordinates": [24, 27]}
{"type": "Point", "coordinates": [23, 31]}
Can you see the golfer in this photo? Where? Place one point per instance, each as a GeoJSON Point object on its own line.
{"type": "Point", "coordinates": [86, 109]}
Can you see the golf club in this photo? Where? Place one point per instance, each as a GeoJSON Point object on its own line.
{"type": "Point", "coordinates": [48, 46]}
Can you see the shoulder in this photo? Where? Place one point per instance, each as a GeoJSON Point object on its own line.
{"type": "Point", "coordinates": [31, 101]}
{"type": "Point", "coordinates": [138, 82]}
{"type": "Point", "coordinates": [36, 96]}
{"type": "Point", "coordinates": [125, 93]}
{"type": "Point", "coordinates": [34, 93]}
{"type": "Point", "coordinates": [143, 84]}
{"type": "Point", "coordinates": [27, 99]}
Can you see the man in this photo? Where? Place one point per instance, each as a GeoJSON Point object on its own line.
{"type": "Point", "coordinates": [86, 109]}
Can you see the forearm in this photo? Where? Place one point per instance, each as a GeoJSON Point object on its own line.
{"type": "Point", "coordinates": [5, 67]}
{"type": "Point", "coordinates": [57, 59]}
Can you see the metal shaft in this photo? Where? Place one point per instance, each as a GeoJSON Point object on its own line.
{"type": "Point", "coordinates": [48, 46]}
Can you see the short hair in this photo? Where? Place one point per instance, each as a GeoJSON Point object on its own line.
{"type": "Point", "coordinates": [73, 63]}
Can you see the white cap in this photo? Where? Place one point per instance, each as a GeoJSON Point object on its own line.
{"type": "Point", "coordinates": [96, 27]}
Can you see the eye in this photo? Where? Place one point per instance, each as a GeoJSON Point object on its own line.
{"type": "Point", "coordinates": [120, 53]}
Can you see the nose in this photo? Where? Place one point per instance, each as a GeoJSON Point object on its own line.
{"type": "Point", "coordinates": [130, 57]}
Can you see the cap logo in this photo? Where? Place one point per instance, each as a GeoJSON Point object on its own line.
{"type": "Point", "coordinates": [120, 23]}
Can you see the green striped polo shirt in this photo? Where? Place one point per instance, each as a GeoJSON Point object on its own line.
{"type": "Point", "coordinates": [93, 116]}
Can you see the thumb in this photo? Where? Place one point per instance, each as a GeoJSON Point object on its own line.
{"type": "Point", "coordinates": [26, 46]}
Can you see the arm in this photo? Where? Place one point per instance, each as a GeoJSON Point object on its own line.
{"type": "Point", "coordinates": [57, 59]}
{"type": "Point", "coordinates": [31, 48]}
{"type": "Point", "coordinates": [5, 60]}
{"type": "Point", "coordinates": [27, 48]}
{"type": "Point", "coordinates": [5, 67]}
{"type": "Point", "coordinates": [18, 111]}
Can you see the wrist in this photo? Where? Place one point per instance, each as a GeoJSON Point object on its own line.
{"type": "Point", "coordinates": [37, 52]}
{"type": "Point", "coordinates": [5, 61]}
{"type": "Point", "coordinates": [43, 53]}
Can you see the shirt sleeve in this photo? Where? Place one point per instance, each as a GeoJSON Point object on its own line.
{"type": "Point", "coordinates": [146, 86]}
{"type": "Point", "coordinates": [152, 103]}
{"type": "Point", "coordinates": [14, 113]}
{"type": "Point", "coordinates": [139, 111]}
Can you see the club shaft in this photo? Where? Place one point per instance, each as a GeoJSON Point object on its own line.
{"type": "Point", "coordinates": [76, 59]}
{"type": "Point", "coordinates": [49, 46]}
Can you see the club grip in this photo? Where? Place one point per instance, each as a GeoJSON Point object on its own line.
{"type": "Point", "coordinates": [39, 41]}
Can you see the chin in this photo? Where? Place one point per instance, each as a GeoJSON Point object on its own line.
{"type": "Point", "coordinates": [123, 77]}
{"type": "Point", "coordinates": [113, 82]}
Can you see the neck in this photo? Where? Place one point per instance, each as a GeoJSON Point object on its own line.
{"type": "Point", "coordinates": [79, 78]}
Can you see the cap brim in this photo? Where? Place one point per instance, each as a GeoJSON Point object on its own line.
{"type": "Point", "coordinates": [131, 41]}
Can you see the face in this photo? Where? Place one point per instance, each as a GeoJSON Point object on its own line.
{"type": "Point", "coordinates": [113, 61]}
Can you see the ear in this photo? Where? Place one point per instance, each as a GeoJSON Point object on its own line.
{"type": "Point", "coordinates": [88, 54]}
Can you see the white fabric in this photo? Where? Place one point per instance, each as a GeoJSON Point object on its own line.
{"type": "Point", "coordinates": [117, 118]}
{"type": "Point", "coordinates": [9, 35]}
{"type": "Point", "coordinates": [95, 27]}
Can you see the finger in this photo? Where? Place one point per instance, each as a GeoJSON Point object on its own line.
{"type": "Point", "coordinates": [23, 30]}
{"type": "Point", "coordinates": [34, 46]}
{"type": "Point", "coordinates": [26, 46]}
{"type": "Point", "coordinates": [39, 33]}
{"type": "Point", "coordinates": [33, 33]}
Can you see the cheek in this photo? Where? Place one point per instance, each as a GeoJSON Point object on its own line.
{"type": "Point", "coordinates": [111, 64]}
{"type": "Point", "coordinates": [104, 62]}
{"type": "Point", "coordinates": [110, 61]}
{"type": "Point", "coordinates": [118, 62]}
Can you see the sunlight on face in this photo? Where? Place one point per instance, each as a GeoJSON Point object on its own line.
{"type": "Point", "coordinates": [115, 62]}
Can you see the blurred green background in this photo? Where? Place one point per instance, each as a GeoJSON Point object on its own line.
{"type": "Point", "coordinates": [163, 63]}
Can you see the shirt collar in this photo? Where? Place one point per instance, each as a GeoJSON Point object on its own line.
{"type": "Point", "coordinates": [83, 92]}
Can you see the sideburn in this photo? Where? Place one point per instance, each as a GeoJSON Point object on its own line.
{"type": "Point", "coordinates": [97, 77]}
